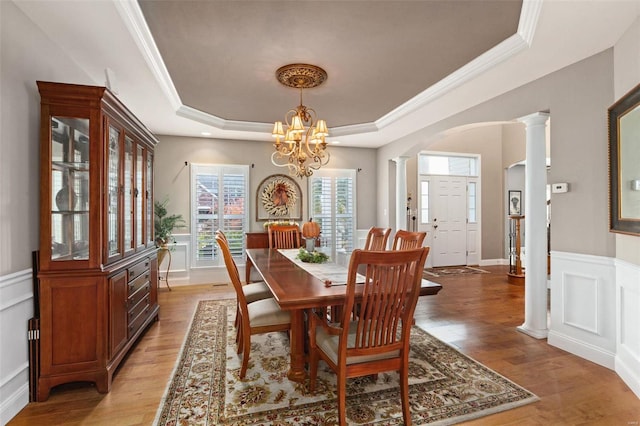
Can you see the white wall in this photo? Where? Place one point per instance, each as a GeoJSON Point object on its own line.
{"type": "Point", "coordinates": [487, 141]}
{"type": "Point", "coordinates": [16, 307]}
{"type": "Point", "coordinates": [594, 299]}
{"type": "Point", "coordinates": [578, 147]}
{"type": "Point", "coordinates": [576, 97]}
{"type": "Point", "coordinates": [26, 55]}
{"type": "Point", "coordinates": [627, 266]}
{"type": "Point", "coordinates": [172, 180]}
{"type": "Point", "coordinates": [626, 76]}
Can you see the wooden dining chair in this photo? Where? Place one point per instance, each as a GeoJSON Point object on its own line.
{"type": "Point", "coordinates": [377, 339]}
{"type": "Point", "coordinates": [377, 239]}
{"type": "Point", "coordinates": [406, 240]}
{"type": "Point", "coordinates": [261, 316]}
{"type": "Point", "coordinates": [284, 236]}
{"type": "Point", "coordinates": [252, 291]}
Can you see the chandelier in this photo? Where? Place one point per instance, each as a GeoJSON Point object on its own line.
{"type": "Point", "coordinates": [304, 148]}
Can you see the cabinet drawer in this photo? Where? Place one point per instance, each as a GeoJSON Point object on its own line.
{"type": "Point", "coordinates": [138, 283]}
{"type": "Point", "coordinates": [138, 269]}
{"type": "Point", "coordinates": [138, 295]}
{"type": "Point", "coordinates": [138, 308]}
{"type": "Point", "coordinates": [138, 315]}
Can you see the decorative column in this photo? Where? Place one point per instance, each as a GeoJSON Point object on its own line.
{"type": "Point", "coordinates": [401, 192]}
{"type": "Point", "coordinates": [535, 282]}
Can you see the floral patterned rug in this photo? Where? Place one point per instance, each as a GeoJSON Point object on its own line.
{"type": "Point", "coordinates": [446, 387]}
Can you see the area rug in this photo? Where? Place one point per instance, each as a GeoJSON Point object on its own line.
{"type": "Point", "coordinates": [446, 271]}
{"type": "Point", "coordinates": [446, 387]}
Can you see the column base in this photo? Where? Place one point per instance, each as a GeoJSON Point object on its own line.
{"type": "Point", "coordinates": [538, 334]}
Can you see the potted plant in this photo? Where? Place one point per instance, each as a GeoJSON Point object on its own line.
{"type": "Point", "coordinates": [164, 223]}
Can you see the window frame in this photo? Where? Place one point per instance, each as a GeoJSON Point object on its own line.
{"type": "Point", "coordinates": [334, 174]}
{"type": "Point", "coordinates": [218, 218]}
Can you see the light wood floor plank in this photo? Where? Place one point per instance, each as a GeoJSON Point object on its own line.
{"type": "Point", "coordinates": [478, 314]}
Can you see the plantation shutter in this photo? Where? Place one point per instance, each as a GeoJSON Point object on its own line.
{"type": "Point", "coordinates": [219, 201]}
{"type": "Point", "coordinates": [332, 205]}
{"type": "Point", "coordinates": [235, 218]}
{"type": "Point", "coordinates": [345, 214]}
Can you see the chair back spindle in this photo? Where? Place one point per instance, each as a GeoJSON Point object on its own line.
{"type": "Point", "coordinates": [406, 240]}
{"type": "Point", "coordinates": [377, 239]}
{"type": "Point", "coordinates": [284, 236]}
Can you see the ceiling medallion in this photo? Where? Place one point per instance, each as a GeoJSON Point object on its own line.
{"type": "Point", "coordinates": [304, 148]}
{"type": "Point", "coordinates": [301, 76]}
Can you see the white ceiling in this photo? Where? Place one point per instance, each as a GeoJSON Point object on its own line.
{"type": "Point", "coordinates": [393, 67]}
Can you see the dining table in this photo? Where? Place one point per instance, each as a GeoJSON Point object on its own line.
{"type": "Point", "coordinates": [297, 288]}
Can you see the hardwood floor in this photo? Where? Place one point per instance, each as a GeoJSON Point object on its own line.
{"type": "Point", "coordinates": [476, 313]}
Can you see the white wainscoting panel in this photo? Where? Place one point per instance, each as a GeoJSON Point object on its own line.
{"type": "Point", "coordinates": [583, 306]}
{"type": "Point", "coordinates": [179, 274]}
{"type": "Point", "coordinates": [627, 363]}
{"type": "Point", "coordinates": [580, 295]}
{"type": "Point", "coordinates": [16, 308]}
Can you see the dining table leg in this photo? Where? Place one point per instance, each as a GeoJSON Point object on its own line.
{"type": "Point", "coordinates": [297, 372]}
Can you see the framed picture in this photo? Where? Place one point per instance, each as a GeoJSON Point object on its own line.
{"type": "Point", "coordinates": [515, 203]}
{"type": "Point", "coordinates": [624, 168]}
{"type": "Point", "coordinates": [278, 197]}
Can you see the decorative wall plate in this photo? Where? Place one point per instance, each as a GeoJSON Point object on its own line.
{"type": "Point", "coordinates": [278, 197]}
{"type": "Point", "coordinates": [66, 199]}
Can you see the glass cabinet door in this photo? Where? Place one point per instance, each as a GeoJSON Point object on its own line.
{"type": "Point", "coordinates": [113, 188]}
{"type": "Point", "coordinates": [128, 194]}
{"type": "Point", "coordinates": [149, 198]}
{"type": "Point", "coordinates": [70, 188]}
{"type": "Point", "coordinates": [139, 196]}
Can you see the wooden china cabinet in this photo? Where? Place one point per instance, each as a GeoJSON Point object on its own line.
{"type": "Point", "coordinates": [97, 274]}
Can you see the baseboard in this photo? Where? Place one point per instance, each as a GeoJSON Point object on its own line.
{"type": "Point", "coordinates": [582, 349]}
{"type": "Point", "coordinates": [493, 262]}
{"type": "Point", "coordinates": [629, 375]}
{"type": "Point", "coordinates": [16, 307]}
{"type": "Point", "coordinates": [15, 402]}
{"type": "Point", "coordinates": [628, 337]}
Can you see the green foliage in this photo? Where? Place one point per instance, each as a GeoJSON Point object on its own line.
{"type": "Point", "coordinates": [312, 257]}
{"type": "Point", "coordinates": [164, 223]}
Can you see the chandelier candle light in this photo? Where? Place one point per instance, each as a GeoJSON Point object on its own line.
{"type": "Point", "coordinates": [304, 147]}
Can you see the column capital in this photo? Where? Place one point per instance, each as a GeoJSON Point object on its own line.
{"type": "Point", "coordinates": [400, 159]}
{"type": "Point", "coordinates": [536, 118]}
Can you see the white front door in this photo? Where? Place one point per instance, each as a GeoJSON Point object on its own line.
{"type": "Point", "coordinates": [447, 219]}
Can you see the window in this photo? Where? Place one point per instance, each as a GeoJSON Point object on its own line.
{"type": "Point", "coordinates": [447, 165]}
{"type": "Point", "coordinates": [432, 165]}
{"type": "Point", "coordinates": [219, 201]}
{"type": "Point", "coordinates": [424, 201]}
{"type": "Point", "coordinates": [332, 205]}
{"type": "Point", "coordinates": [472, 201]}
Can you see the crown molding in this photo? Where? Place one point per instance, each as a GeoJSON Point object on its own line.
{"type": "Point", "coordinates": [529, 15]}
{"type": "Point", "coordinates": [134, 20]}
{"type": "Point", "coordinates": [354, 129]}
{"type": "Point", "coordinates": [222, 124]}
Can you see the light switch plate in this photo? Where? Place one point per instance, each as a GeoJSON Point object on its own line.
{"type": "Point", "coordinates": [557, 188]}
